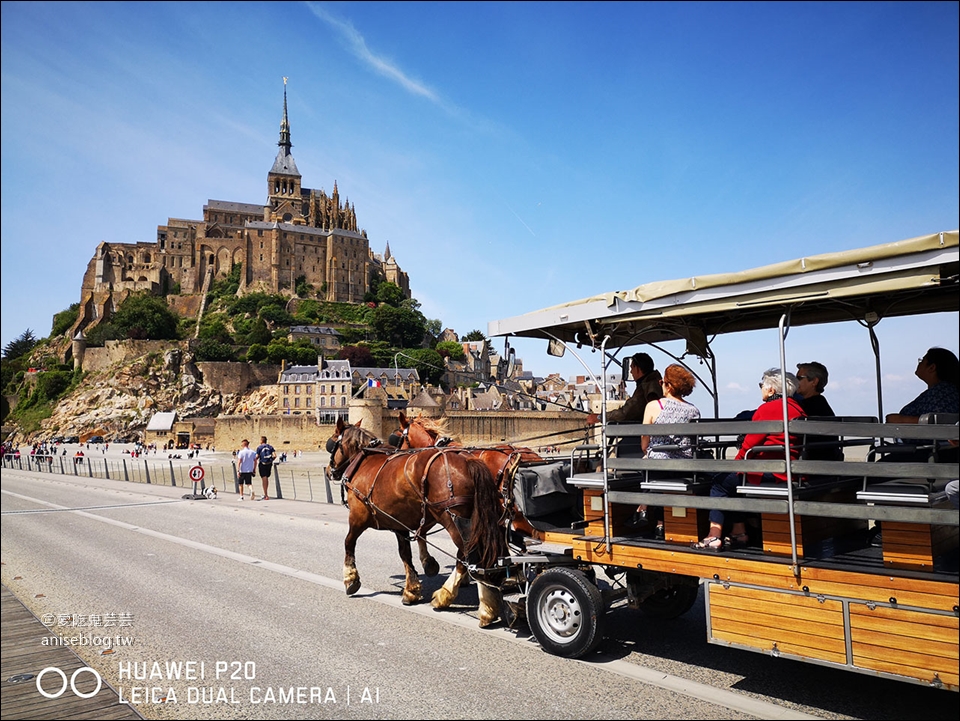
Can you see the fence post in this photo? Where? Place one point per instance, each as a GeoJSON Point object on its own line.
{"type": "Point", "coordinates": [276, 481]}
{"type": "Point", "coordinates": [146, 469]}
{"type": "Point", "coordinates": [106, 469]}
{"type": "Point", "coordinates": [62, 472]}
{"type": "Point", "coordinates": [236, 478]}
{"type": "Point", "coordinates": [89, 467]}
{"type": "Point", "coordinates": [309, 486]}
{"type": "Point", "coordinates": [126, 476]}
{"type": "Point", "coordinates": [326, 486]}
{"type": "Point", "coordinates": [173, 478]}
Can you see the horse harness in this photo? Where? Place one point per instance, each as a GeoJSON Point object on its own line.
{"type": "Point", "coordinates": [419, 485]}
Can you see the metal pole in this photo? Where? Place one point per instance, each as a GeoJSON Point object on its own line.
{"type": "Point", "coordinates": [326, 484]}
{"type": "Point", "coordinates": [146, 469]}
{"type": "Point", "coordinates": [276, 482]}
{"type": "Point", "coordinates": [126, 476]}
{"type": "Point", "coordinates": [173, 478]}
{"type": "Point", "coordinates": [106, 469]}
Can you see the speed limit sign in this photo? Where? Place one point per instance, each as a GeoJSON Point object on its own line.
{"type": "Point", "coordinates": [196, 474]}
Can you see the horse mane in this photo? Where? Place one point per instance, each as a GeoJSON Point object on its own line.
{"type": "Point", "coordinates": [355, 438]}
{"type": "Point", "coordinates": [437, 426]}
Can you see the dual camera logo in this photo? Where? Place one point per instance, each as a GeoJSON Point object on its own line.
{"type": "Point", "coordinates": [72, 683]}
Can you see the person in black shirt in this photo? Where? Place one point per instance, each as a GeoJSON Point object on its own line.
{"type": "Point", "coordinates": [812, 378]}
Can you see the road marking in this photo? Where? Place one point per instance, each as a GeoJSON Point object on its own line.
{"type": "Point", "coordinates": [704, 692]}
{"type": "Point", "coordinates": [84, 508]}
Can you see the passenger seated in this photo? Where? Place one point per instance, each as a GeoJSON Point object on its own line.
{"type": "Point", "coordinates": [940, 370]}
{"type": "Point", "coordinates": [812, 378]}
{"type": "Point", "coordinates": [677, 383]}
{"type": "Point", "coordinates": [771, 392]}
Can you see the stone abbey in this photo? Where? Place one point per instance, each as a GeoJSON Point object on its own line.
{"type": "Point", "coordinates": [299, 233]}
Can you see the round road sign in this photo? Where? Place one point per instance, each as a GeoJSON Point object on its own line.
{"type": "Point", "coordinates": [196, 474]}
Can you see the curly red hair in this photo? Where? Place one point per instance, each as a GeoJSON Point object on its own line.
{"type": "Point", "coordinates": [680, 379]}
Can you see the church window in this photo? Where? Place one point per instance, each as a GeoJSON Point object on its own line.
{"type": "Point", "coordinates": [260, 235]}
{"type": "Point", "coordinates": [261, 257]}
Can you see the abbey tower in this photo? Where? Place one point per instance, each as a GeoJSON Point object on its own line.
{"type": "Point", "coordinates": [297, 233]}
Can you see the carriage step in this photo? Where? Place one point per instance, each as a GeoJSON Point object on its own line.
{"type": "Point", "coordinates": [538, 546]}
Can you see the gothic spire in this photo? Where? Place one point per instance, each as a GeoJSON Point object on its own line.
{"type": "Point", "coordinates": [285, 164]}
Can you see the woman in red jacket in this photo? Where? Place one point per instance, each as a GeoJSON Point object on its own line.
{"type": "Point", "coordinates": [771, 409]}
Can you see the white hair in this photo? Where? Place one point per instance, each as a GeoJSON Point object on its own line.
{"type": "Point", "coordinates": [771, 381]}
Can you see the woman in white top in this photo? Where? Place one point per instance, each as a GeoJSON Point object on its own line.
{"type": "Point", "coordinates": [677, 384]}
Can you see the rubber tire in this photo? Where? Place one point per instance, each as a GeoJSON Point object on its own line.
{"type": "Point", "coordinates": [565, 612]}
{"type": "Point", "coordinates": [670, 603]}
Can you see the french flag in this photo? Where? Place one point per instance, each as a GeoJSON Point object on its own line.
{"type": "Point", "coordinates": [371, 383]}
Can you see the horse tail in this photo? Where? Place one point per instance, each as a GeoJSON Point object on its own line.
{"type": "Point", "coordinates": [487, 537]}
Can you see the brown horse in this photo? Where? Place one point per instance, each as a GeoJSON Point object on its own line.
{"type": "Point", "coordinates": [501, 460]}
{"type": "Point", "coordinates": [408, 492]}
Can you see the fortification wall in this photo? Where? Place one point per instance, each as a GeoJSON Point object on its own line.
{"type": "Point", "coordinates": [237, 377]}
{"type": "Point", "coordinates": [124, 351]}
{"type": "Point", "coordinates": [285, 433]}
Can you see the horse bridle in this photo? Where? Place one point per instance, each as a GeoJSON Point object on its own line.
{"type": "Point", "coordinates": [398, 439]}
{"type": "Point", "coordinates": [343, 470]}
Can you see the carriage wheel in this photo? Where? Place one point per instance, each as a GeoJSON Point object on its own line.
{"type": "Point", "coordinates": [565, 612]}
{"type": "Point", "coordinates": [669, 603]}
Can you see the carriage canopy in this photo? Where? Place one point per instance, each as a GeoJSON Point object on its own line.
{"type": "Point", "coordinates": [918, 275]}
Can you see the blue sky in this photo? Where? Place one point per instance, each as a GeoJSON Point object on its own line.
{"type": "Point", "coordinates": [514, 155]}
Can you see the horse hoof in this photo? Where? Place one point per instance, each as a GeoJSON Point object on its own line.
{"type": "Point", "coordinates": [487, 622]}
{"type": "Point", "coordinates": [441, 599]}
{"type": "Point", "coordinates": [353, 588]}
{"type": "Point", "coordinates": [431, 568]}
{"type": "Point", "coordinates": [408, 599]}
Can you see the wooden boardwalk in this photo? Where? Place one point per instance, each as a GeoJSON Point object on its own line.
{"type": "Point", "coordinates": [23, 655]}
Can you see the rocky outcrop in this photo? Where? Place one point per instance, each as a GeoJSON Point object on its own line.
{"type": "Point", "coordinates": [119, 401]}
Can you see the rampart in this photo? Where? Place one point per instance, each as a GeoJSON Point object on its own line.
{"type": "Point", "coordinates": [237, 377]}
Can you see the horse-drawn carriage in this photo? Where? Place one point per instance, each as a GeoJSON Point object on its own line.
{"type": "Point", "coordinates": [812, 587]}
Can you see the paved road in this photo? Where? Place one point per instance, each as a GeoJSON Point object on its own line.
{"type": "Point", "coordinates": [255, 588]}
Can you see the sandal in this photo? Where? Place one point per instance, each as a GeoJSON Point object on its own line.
{"type": "Point", "coordinates": [740, 540]}
{"type": "Point", "coordinates": [710, 543]}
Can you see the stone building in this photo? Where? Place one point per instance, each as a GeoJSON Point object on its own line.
{"type": "Point", "coordinates": [298, 234]}
{"type": "Point", "coordinates": [321, 390]}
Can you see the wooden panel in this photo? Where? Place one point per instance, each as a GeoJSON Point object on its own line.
{"type": "Point", "coordinates": [775, 573]}
{"type": "Point", "coordinates": [685, 529]}
{"type": "Point", "coordinates": [811, 533]}
{"type": "Point", "coordinates": [767, 620]}
{"type": "Point", "coordinates": [913, 545]}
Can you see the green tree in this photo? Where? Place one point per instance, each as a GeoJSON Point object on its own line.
{"type": "Point", "coordinates": [210, 349]}
{"type": "Point", "coordinates": [398, 326]}
{"type": "Point", "coordinates": [303, 288]}
{"type": "Point", "coordinates": [390, 294]}
{"type": "Point", "coordinates": [259, 333]}
{"type": "Point", "coordinates": [474, 335]}
{"type": "Point", "coordinates": [22, 345]}
{"type": "Point", "coordinates": [277, 315]}
{"type": "Point", "coordinates": [144, 316]}
{"type": "Point", "coordinates": [428, 362]}
{"type": "Point", "coordinates": [213, 327]}
{"type": "Point", "coordinates": [64, 320]}
{"type": "Point", "coordinates": [257, 353]}
{"type": "Point", "coordinates": [450, 349]}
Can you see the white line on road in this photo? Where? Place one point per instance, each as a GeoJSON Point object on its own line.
{"type": "Point", "coordinates": [711, 694]}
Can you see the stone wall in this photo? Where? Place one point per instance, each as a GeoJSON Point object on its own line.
{"type": "Point", "coordinates": [487, 428]}
{"type": "Point", "coordinates": [117, 351]}
{"type": "Point", "coordinates": [237, 377]}
{"type": "Point", "coordinates": [285, 433]}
